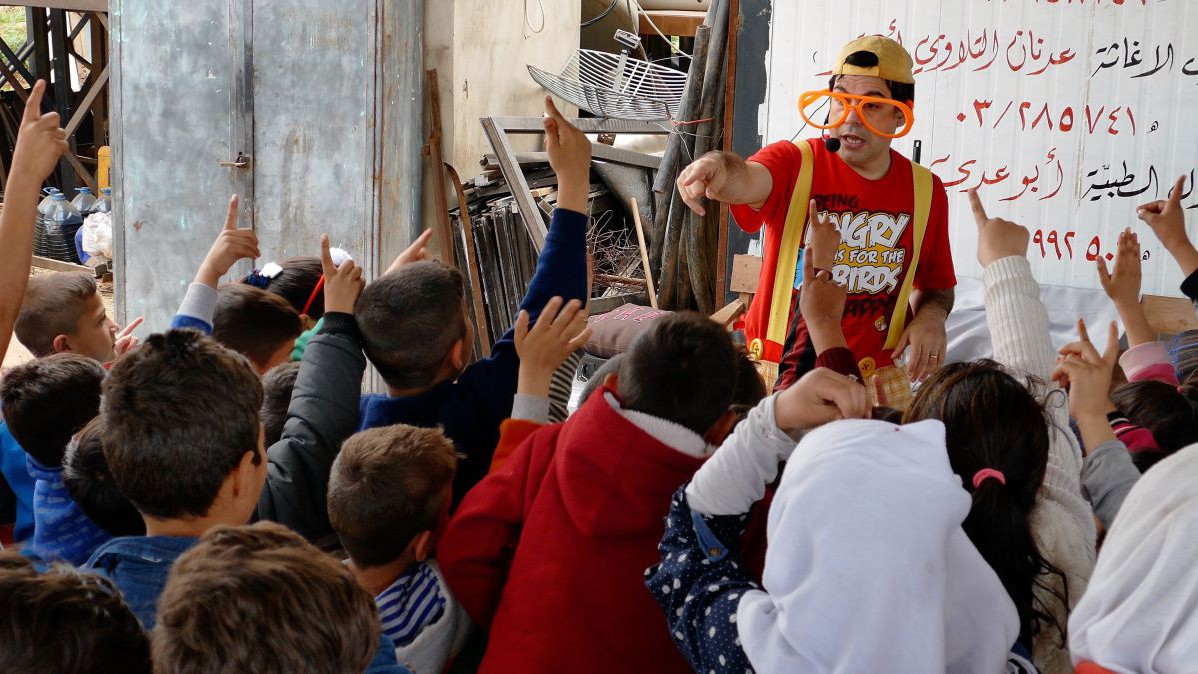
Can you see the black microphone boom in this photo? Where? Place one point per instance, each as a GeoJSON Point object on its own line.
{"type": "Point", "coordinates": [831, 144]}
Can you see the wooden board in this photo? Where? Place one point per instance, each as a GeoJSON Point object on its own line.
{"type": "Point", "coordinates": [58, 265]}
{"type": "Point", "coordinates": [728, 315]}
{"type": "Point", "coordinates": [73, 5]}
{"type": "Point", "coordinates": [745, 271]}
{"type": "Point", "coordinates": [1169, 315]}
{"type": "Point", "coordinates": [678, 22]}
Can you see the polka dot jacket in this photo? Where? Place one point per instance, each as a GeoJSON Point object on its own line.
{"type": "Point", "coordinates": [700, 581]}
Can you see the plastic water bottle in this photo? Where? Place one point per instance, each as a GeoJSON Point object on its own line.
{"type": "Point", "coordinates": [104, 203]}
{"type": "Point", "coordinates": [62, 222]}
{"type": "Point", "coordinates": [85, 201]}
{"type": "Point", "coordinates": [43, 207]}
{"type": "Point", "coordinates": [39, 227]}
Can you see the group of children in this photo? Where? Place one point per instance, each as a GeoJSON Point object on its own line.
{"type": "Point", "coordinates": [223, 497]}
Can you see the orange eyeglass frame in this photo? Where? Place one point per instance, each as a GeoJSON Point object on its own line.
{"type": "Point", "coordinates": [855, 102]}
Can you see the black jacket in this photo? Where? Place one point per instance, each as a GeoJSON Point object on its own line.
{"type": "Point", "coordinates": [322, 414]}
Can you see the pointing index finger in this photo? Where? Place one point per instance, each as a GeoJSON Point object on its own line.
{"type": "Point", "coordinates": [1111, 354]}
{"type": "Point", "coordinates": [975, 204]}
{"type": "Point", "coordinates": [551, 109]}
{"type": "Point", "coordinates": [131, 327]}
{"type": "Point", "coordinates": [326, 259]}
{"type": "Point", "coordinates": [231, 215]}
{"type": "Point", "coordinates": [1175, 196]}
{"type": "Point", "coordinates": [422, 240]}
{"type": "Point", "coordinates": [33, 104]}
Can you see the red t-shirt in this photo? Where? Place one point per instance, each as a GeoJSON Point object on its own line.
{"type": "Point", "coordinates": [875, 253]}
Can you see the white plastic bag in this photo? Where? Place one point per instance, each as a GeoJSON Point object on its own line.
{"type": "Point", "coordinates": [97, 235]}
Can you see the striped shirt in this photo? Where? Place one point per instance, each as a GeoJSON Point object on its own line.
{"type": "Point", "coordinates": [414, 601]}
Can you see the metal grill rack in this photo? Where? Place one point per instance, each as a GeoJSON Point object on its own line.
{"type": "Point", "coordinates": [616, 85]}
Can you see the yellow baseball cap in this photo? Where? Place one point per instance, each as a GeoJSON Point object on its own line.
{"type": "Point", "coordinates": [894, 63]}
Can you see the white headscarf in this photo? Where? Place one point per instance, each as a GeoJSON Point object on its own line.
{"type": "Point", "coordinates": [868, 569]}
{"type": "Point", "coordinates": [1140, 612]}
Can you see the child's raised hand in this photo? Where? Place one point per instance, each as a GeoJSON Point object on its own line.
{"type": "Point", "coordinates": [40, 141]}
{"type": "Point", "coordinates": [1167, 218]}
{"type": "Point", "coordinates": [417, 252]}
{"type": "Point", "coordinates": [822, 299]}
{"type": "Point", "coordinates": [558, 332]}
{"type": "Point", "coordinates": [819, 397]}
{"type": "Point", "coordinates": [343, 284]}
{"type": "Point", "coordinates": [126, 341]}
{"type": "Point", "coordinates": [823, 238]}
{"type": "Point", "coordinates": [570, 156]}
{"type": "Point", "coordinates": [231, 245]}
{"type": "Point", "coordinates": [1123, 284]}
{"type": "Point", "coordinates": [997, 238]}
{"type": "Point", "coordinates": [1087, 373]}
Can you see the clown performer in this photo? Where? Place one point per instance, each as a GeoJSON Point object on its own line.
{"type": "Point", "coordinates": [894, 259]}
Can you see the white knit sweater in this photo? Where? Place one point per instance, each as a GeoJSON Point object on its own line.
{"type": "Point", "coordinates": [1062, 523]}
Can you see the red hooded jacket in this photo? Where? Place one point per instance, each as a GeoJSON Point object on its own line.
{"type": "Point", "coordinates": [549, 552]}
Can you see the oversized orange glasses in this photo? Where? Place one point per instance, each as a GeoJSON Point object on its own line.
{"type": "Point", "coordinates": [871, 110]}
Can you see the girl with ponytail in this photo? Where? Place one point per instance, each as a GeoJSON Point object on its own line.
{"type": "Point", "coordinates": [997, 434]}
{"type": "Point", "coordinates": [1008, 439]}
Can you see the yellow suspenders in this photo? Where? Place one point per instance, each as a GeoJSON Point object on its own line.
{"type": "Point", "coordinates": [792, 240]}
{"type": "Point", "coordinates": [788, 252]}
{"type": "Point", "coordinates": [923, 207]}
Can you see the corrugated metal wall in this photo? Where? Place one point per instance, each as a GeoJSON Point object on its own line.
{"type": "Point", "coordinates": [1068, 114]}
{"type": "Point", "coordinates": [326, 97]}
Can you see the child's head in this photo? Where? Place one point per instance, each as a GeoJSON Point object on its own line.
{"type": "Point", "coordinates": [414, 325]}
{"type": "Point", "coordinates": [610, 367]}
{"type": "Point", "coordinates": [255, 323]}
{"type": "Point", "coordinates": [992, 421]}
{"type": "Point", "coordinates": [1169, 412]}
{"type": "Point", "coordinates": [63, 621]}
{"type": "Point", "coordinates": [182, 433]}
{"type": "Point", "coordinates": [750, 387]}
{"type": "Point", "coordinates": [390, 491]}
{"type": "Point", "coordinates": [86, 476]}
{"type": "Point", "coordinates": [262, 599]}
{"type": "Point", "coordinates": [64, 312]}
{"type": "Point", "coordinates": [277, 386]}
{"type": "Point", "coordinates": [295, 280]}
{"type": "Point", "coordinates": [48, 400]}
{"type": "Point", "coordinates": [683, 369]}
{"type": "Point", "coordinates": [748, 392]}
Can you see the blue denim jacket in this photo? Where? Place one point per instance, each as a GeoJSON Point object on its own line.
{"type": "Point", "coordinates": [384, 661]}
{"type": "Point", "coordinates": [139, 566]}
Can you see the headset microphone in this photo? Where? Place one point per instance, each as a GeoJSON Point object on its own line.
{"type": "Point", "coordinates": [830, 143]}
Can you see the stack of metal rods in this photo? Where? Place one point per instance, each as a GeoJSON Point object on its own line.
{"type": "Point", "coordinates": [506, 260]}
{"type": "Point", "coordinates": [685, 245]}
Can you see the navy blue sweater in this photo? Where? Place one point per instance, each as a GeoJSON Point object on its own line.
{"type": "Point", "coordinates": [471, 408]}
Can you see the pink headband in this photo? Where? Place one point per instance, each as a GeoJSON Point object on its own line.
{"type": "Point", "coordinates": [985, 473]}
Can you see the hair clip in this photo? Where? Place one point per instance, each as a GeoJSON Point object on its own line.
{"type": "Point", "coordinates": [257, 280]}
{"type": "Point", "coordinates": [261, 278]}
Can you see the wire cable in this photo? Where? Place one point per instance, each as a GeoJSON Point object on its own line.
{"type": "Point", "coordinates": [602, 15]}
